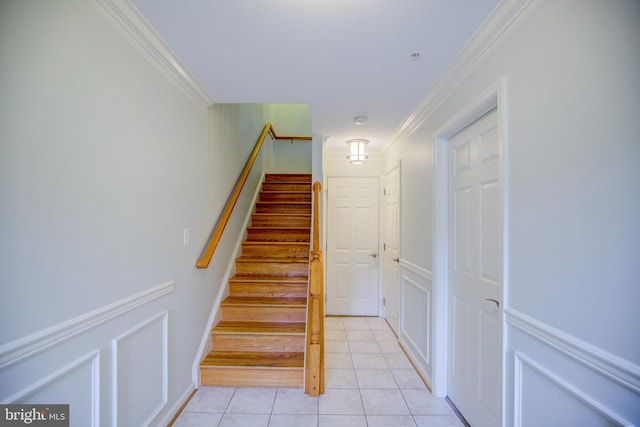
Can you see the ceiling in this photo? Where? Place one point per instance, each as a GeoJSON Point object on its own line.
{"type": "Point", "coordinates": [345, 58]}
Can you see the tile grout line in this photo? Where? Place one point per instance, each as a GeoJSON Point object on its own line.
{"type": "Point", "coordinates": [350, 347]}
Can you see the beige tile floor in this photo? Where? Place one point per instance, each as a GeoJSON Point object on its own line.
{"type": "Point", "coordinates": [369, 382]}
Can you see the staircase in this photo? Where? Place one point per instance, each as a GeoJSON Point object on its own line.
{"type": "Point", "coordinates": [260, 340]}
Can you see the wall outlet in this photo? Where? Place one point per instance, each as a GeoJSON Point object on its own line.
{"type": "Point", "coordinates": [186, 236]}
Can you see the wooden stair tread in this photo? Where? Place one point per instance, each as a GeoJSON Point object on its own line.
{"type": "Point", "coordinates": [273, 259]}
{"type": "Point", "coordinates": [277, 236]}
{"type": "Point", "coordinates": [272, 266]}
{"type": "Point", "coordinates": [287, 219]}
{"type": "Point", "coordinates": [278, 202]}
{"type": "Point", "coordinates": [266, 301]}
{"type": "Point", "coordinates": [285, 191]}
{"type": "Point", "coordinates": [274, 243]}
{"type": "Point", "coordinates": [283, 207]}
{"type": "Point", "coordinates": [232, 359]}
{"type": "Point", "coordinates": [285, 186]}
{"type": "Point", "coordinates": [286, 180]}
{"type": "Point", "coordinates": [275, 249]}
{"type": "Point", "coordinates": [281, 228]}
{"type": "Point", "coordinates": [280, 328]}
{"type": "Point", "coordinates": [280, 214]}
{"type": "Point", "coordinates": [256, 289]}
{"type": "Point", "coordinates": [288, 177]}
{"type": "Point", "coordinates": [270, 279]}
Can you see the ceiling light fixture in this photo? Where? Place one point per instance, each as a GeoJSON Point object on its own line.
{"type": "Point", "coordinates": [360, 120]}
{"type": "Point", "coordinates": [357, 154]}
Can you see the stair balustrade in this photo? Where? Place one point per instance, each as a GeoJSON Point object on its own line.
{"type": "Point", "coordinates": [314, 369]}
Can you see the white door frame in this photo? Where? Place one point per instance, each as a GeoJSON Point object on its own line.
{"type": "Point", "coordinates": [492, 97]}
{"type": "Point", "coordinates": [383, 229]}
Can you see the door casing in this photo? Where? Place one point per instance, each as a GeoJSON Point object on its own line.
{"type": "Point", "coordinates": [493, 97]}
{"type": "Point", "coordinates": [385, 264]}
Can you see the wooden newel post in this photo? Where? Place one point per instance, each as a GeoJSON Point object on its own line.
{"type": "Point", "coordinates": [314, 378]}
{"type": "Point", "coordinates": [316, 216]}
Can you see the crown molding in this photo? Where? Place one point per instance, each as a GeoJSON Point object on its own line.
{"type": "Point", "coordinates": [491, 30]}
{"type": "Point", "coordinates": [141, 34]}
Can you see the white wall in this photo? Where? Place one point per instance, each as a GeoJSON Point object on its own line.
{"type": "Point", "coordinates": [336, 164]}
{"type": "Point", "coordinates": [103, 162]}
{"type": "Point", "coordinates": [571, 149]}
{"type": "Point", "coordinates": [290, 120]}
{"type": "Point", "coordinates": [292, 157]}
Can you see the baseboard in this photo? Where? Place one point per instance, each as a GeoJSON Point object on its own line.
{"type": "Point", "coordinates": [426, 379]}
{"type": "Point", "coordinates": [176, 409]}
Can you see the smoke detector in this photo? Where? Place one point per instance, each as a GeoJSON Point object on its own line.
{"type": "Point", "coordinates": [360, 120]}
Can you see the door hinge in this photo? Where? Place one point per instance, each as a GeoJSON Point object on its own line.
{"type": "Point", "coordinates": [384, 191]}
{"type": "Point", "coordinates": [384, 301]}
{"type": "Point", "coordinates": [384, 246]}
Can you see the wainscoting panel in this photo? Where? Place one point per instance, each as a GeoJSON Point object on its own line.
{"type": "Point", "coordinates": [78, 382]}
{"type": "Point", "coordinates": [415, 316]}
{"type": "Point", "coordinates": [140, 372]}
{"type": "Point", "coordinates": [556, 379]}
{"type": "Point", "coordinates": [578, 408]}
{"type": "Point", "coordinates": [110, 364]}
{"type": "Point", "coordinates": [33, 344]}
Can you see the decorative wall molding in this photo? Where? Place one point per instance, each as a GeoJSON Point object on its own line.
{"type": "Point", "coordinates": [424, 357]}
{"type": "Point", "coordinates": [163, 318]}
{"type": "Point", "coordinates": [613, 367]}
{"type": "Point", "coordinates": [142, 35]}
{"type": "Point", "coordinates": [422, 272]}
{"type": "Point", "coordinates": [521, 361]}
{"type": "Point", "coordinates": [25, 347]}
{"type": "Point", "coordinates": [505, 14]}
{"type": "Point", "coordinates": [419, 358]}
{"type": "Point", "coordinates": [92, 358]}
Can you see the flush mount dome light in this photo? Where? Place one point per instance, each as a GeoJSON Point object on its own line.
{"type": "Point", "coordinates": [360, 120]}
{"type": "Point", "coordinates": [357, 154]}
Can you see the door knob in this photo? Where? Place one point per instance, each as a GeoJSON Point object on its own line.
{"type": "Point", "coordinates": [373, 255]}
{"type": "Point", "coordinates": [493, 300]}
{"type": "Point", "coordinates": [395, 259]}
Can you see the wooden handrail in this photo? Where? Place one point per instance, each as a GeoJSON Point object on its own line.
{"type": "Point", "coordinates": [292, 138]}
{"type": "Point", "coordinates": [205, 259]}
{"type": "Point", "coordinates": [314, 371]}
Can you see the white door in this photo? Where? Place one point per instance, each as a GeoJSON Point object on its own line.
{"type": "Point", "coordinates": [391, 247]}
{"type": "Point", "coordinates": [352, 246]}
{"type": "Point", "coordinates": [475, 290]}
